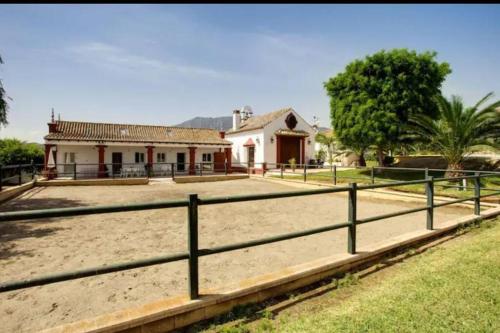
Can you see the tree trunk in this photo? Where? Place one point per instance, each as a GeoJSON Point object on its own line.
{"type": "Point", "coordinates": [362, 161]}
{"type": "Point", "coordinates": [380, 156]}
{"type": "Point", "coordinates": [453, 170]}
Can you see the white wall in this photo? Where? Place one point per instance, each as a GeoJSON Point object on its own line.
{"type": "Point", "coordinates": [279, 123]}
{"type": "Point", "coordinates": [89, 154]}
{"type": "Point", "coordinates": [83, 155]}
{"type": "Point", "coordinates": [240, 153]}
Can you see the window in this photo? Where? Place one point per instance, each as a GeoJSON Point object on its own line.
{"type": "Point", "coordinates": [160, 158]}
{"type": "Point", "coordinates": [207, 157]}
{"type": "Point", "coordinates": [139, 157]}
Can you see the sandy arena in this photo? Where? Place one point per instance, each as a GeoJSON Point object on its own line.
{"type": "Point", "coordinates": [34, 248]}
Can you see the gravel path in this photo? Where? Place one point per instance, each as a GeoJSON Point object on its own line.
{"type": "Point", "coordinates": [34, 248]}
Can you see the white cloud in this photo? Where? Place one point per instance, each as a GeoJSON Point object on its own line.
{"type": "Point", "coordinates": [113, 57]}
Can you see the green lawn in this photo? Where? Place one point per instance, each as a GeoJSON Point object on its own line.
{"type": "Point", "coordinates": [452, 287]}
{"type": "Point", "coordinates": [384, 176]}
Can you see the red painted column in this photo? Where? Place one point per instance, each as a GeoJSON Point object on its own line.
{"type": "Point", "coordinates": [229, 157]}
{"type": "Point", "coordinates": [102, 169]}
{"type": "Point", "coordinates": [303, 151]}
{"type": "Point", "coordinates": [47, 152]}
{"type": "Point", "coordinates": [278, 149]}
{"type": "Point", "coordinates": [192, 160]}
{"type": "Point", "coordinates": [150, 154]}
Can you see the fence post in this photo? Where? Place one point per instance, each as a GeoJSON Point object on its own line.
{"type": "Point", "coordinates": [429, 191]}
{"type": "Point", "coordinates": [1, 176]}
{"type": "Point", "coordinates": [305, 173]}
{"type": "Point", "coordinates": [372, 175]}
{"type": "Point", "coordinates": [74, 171]}
{"type": "Point", "coordinates": [351, 232]}
{"type": "Point", "coordinates": [32, 170]}
{"type": "Point", "coordinates": [335, 175]}
{"type": "Point", "coordinates": [426, 173]}
{"type": "Point", "coordinates": [477, 194]}
{"type": "Point", "coordinates": [20, 175]}
{"type": "Point", "coordinates": [201, 169]}
{"type": "Point", "coordinates": [264, 169]}
{"type": "Point", "coordinates": [281, 170]}
{"type": "Point", "coordinates": [193, 246]}
{"type": "Point", "coordinates": [225, 167]}
{"type": "Point", "coordinates": [172, 171]}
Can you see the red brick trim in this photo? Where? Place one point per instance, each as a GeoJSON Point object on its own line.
{"type": "Point", "coordinates": [229, 157]}
{"type": "Point", "coordinates": [102, 168]}
{"type": "Point", "coordinates": [192, 160]}
{"type": "Point", "coordinates": [303, 151]}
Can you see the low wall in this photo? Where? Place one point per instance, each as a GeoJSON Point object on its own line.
{"type": "Point", "coordinates": [178, 312]}
{"type": "Point", "coordinates": [83, 182]}
{"type": "Point", "coordinates": [207, 178]}
{"type": "Point", "coordinates": [13, 192]}
{"type": "Point", "coordinates": [427, 161]}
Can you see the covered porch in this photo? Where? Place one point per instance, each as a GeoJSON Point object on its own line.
{"type": "Point", "coordinates": [290, 144]}
{"type": "Point", "coordinates": [73, 160]}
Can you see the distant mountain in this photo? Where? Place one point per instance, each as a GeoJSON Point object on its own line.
{"type": "Point", "coordinates": [218, 123]}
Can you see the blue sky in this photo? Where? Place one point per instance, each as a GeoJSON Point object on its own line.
{"type": "Point", "coordinates": [163, 64]}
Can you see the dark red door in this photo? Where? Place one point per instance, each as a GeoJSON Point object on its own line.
{"type": "Point", "coordinates": [219, 159]}
{"type": "Point", "coordinates": [290, 148]}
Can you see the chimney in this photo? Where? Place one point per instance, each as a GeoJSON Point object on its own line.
{"type": "Point", "coordinates": [53, 123]}
{"type": "Point", "coordinates": [236, 120]}
{"type": "Point", "coordinates": [222, 134]}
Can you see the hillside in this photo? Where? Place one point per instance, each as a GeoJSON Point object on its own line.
{"type": "Point", "coordinates": [218, 123]}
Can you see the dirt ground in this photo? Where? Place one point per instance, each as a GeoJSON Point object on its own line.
{"type": "Point", "coordinates": [33, 248]}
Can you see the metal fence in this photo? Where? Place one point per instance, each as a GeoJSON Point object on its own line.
{"type": "Point", "coordinates": [126, 170]}
{"type": "Point", "coordinates": [193, 202]}
{"type": "Point", "coordinates": [371, 175]}
{"type": "Point", "coordinates": [18, 174]}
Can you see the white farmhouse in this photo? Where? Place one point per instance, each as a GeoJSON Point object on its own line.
{"type": "Point", "coordinates": [105, 150]}
{"type": "Point", "coordinates": [272, 138]}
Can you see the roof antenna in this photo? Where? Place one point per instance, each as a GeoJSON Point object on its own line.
{"type": "Point", "coordinates": [52, 116]}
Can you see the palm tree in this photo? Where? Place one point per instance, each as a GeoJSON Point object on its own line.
{"type": "Point", "coordinates": [3, 102]}
{"type": "Point", "coordinates": [458, 131]}
{"type": "Point", "coordinates": [327, 139]}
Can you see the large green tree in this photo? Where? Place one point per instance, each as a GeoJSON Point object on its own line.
{"type": "Point", "coordinates": [373, 98]}
{"type": "Point", "coordinates": [459, 130]}
{"type": "Point", "coordinates": [15, 151]}
{"type": "Point", "coordinates": [4, 107]}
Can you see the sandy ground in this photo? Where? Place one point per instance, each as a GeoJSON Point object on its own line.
{"type": "Point", "coordinates": [34, 248]}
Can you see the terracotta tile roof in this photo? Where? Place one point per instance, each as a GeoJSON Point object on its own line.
{"type": "Point", "coordinates": [257, 122]}
{"type": "Point", "coordinates": [85, 131]}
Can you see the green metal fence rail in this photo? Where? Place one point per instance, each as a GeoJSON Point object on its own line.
{"type": "Point", "coordinates": [301, 172]}
{"type": "Point", "coordinates": [194, 252]}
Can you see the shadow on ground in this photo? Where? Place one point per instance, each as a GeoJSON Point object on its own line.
{"type": "Point", "coordinates": [10, 232]}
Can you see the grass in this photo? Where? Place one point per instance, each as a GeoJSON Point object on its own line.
{"type": "Point", "coordinates": [384, 176]}
{"type": "Point", "coordinates": [452, 287]}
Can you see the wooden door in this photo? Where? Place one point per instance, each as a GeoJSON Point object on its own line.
{"type": "Point", "coordinates": [116, 159]}
{"type": "Point", "coordinates": [251, 157]}
{"type": "Point", "coordinates": [290, 148]}
{"type": "Point", "coordinates": [181, 159]}
{"type": "Point", "coordinates": [219, 159]}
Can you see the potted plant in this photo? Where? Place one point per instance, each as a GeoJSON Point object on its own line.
{"type": "Point", "coordinates": [293, 163]}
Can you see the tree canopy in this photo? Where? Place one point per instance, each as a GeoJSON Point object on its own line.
{"type": "Point", "coordinates": [373, 98]}
{"type": "Point", "coordinates": [15, 151]}
{"type": "Point", "coordinates": [4, 106]}
{"type": "Point", "coordinates": [458, 130]}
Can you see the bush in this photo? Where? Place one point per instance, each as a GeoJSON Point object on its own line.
{"type": "Point", "coordinates": [15, 151]}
